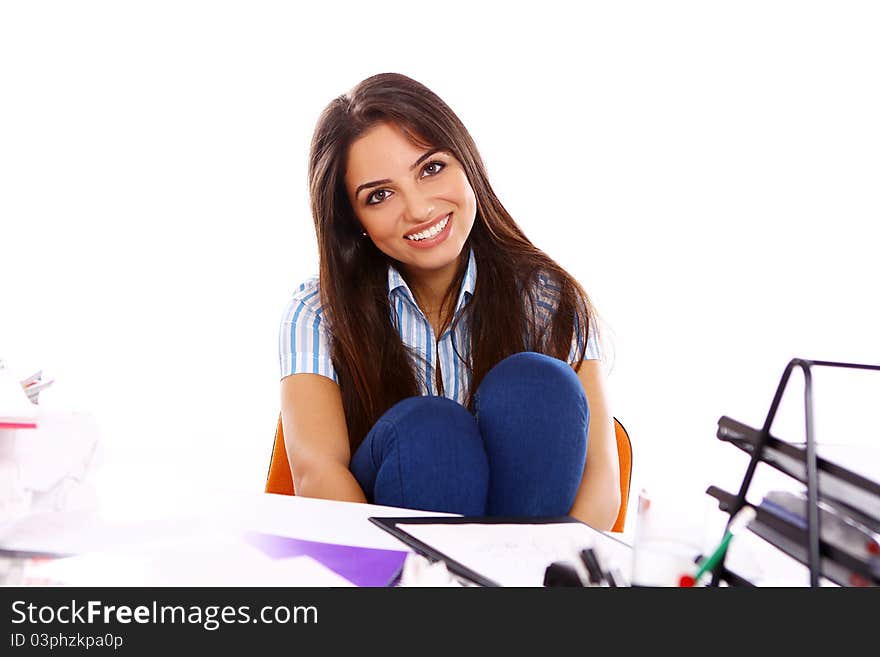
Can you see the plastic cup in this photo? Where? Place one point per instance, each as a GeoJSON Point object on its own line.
{"type": "Point", "coordinates": [670, 538]}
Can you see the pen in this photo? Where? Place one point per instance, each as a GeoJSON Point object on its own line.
{"type": "Point", "coordinates": [708, 563]}
{"type": "Point", "coordinates": [742, 518]}
{"type": "Point", "coordinates": [612, 580]}
{"type": "Point", "coordinates": [591, 561]}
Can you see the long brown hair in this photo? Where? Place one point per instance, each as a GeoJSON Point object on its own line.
{"type": "Point", "coordinates": [373, 365]}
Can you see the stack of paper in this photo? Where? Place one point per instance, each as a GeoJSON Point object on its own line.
{"type": "Point", "coordinates": [34, 385]}
{"type": "Point", "coordinates": [16, 410]}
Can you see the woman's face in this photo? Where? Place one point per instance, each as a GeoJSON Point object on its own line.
{"type": "Point", "coordinates": [416, 204]}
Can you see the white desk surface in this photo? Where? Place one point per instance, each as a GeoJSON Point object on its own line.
{"type": "Point", "coordinates": [132, 520]}
{"type": "Point", "coordinates": [176, 536]}
{"type": "Point", "coordinates": [192, 539]}
{"type": "Point", "coordinates": [129, 523]}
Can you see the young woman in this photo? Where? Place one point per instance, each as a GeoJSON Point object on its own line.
{"type": "Point", "coordinates": [439, 360]}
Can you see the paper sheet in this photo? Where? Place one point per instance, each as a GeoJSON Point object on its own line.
{"type": "Point", "coordinates": [517, 554]}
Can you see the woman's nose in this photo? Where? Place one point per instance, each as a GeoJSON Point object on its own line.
{"type": "Point", "coordinates": [417, 208]}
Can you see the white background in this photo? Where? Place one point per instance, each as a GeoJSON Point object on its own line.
{"type": "Point", "coordinates": [708, 171]}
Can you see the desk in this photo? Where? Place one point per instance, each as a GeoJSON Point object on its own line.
{"type": "Point", "coordinates": [205, 521]}
{"type": "Point", "coordinates": [133, 522]}
{"type": "Point", "coordinates": [196, 539]}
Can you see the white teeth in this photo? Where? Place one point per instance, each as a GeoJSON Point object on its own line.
{"type": "Point", "coordinates": [431, 232]}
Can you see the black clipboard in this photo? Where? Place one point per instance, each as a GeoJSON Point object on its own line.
{"type": "Point", "coordinates": [391, 525]}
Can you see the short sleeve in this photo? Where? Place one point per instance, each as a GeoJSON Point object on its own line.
{"type": "Point", "coordinates": [592, 351]}
{"type": "Point", "coordinates": [303, 340]}
{"type": "Point", "coordinates": [547, 294]}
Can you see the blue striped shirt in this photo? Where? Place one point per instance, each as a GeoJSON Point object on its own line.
{"type": "Point", "coordinates": [303, 343]}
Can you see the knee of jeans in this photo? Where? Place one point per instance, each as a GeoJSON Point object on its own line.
{"type": "Point", "coordinates": [417, 418]}
{"type": "Point", "coordinates": [531, 372]}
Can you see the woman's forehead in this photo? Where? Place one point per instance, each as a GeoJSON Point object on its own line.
{"type": "Point", "coordinates": [383, 151]}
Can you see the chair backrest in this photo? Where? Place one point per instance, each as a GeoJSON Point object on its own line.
{"type": "Point", "coordinates": [280, 481]}
{"type": "Point", "coordinates": [624, 452]}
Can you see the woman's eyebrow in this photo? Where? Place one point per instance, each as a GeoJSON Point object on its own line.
{"type": "Point", "coordinates": [425, 157]}
{"type": "Point", "coordinates": [385, 181]}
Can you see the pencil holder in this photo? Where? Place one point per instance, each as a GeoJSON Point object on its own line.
{"type": "Point", "coordinates": [670, 537]}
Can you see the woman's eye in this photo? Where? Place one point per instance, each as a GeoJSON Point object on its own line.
{"type": "Point", "coordinates": [377, 197]}
{"type": "Point", "coordinates": [433, 168]}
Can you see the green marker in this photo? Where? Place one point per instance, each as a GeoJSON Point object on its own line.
{"type": "Point", "coordinates": [742, 518]}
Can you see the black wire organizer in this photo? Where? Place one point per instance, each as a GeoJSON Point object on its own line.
{"type": "Point", "coordinates": [832, 493]}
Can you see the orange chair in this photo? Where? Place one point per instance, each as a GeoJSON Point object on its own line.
{"type": "Point", "coordinates": [280, 481]}
{"type": "Point", "coordinates": [625, 453]}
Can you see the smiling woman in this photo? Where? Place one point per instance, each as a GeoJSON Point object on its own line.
{"type": "Point", "coordinates": [420, 217]}
{"type": "Point", "coordinates": [439, 360]}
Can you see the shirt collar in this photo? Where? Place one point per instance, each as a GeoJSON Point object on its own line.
{"type": "Point", "coordinates": [395, 281]}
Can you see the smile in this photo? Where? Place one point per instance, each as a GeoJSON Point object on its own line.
{"type": "Point", "coordinates": [431, 232]}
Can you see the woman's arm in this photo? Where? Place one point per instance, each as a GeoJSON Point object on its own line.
{"type": "Point", "coordinates": [598, 498]}
{"type": "Point", "coordinates": [316, 438]}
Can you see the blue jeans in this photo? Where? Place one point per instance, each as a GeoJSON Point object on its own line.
{"type": "Point", "coordinates": [520, 454]}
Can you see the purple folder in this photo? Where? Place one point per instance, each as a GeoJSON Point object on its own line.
{"type": "Point", "coordinates": [361, 566]}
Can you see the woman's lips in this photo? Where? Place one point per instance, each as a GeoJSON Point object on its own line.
{"type": "Point", "coordinates": [436, 239]}
{"type": "Point", "coordinates": [427, 226]}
